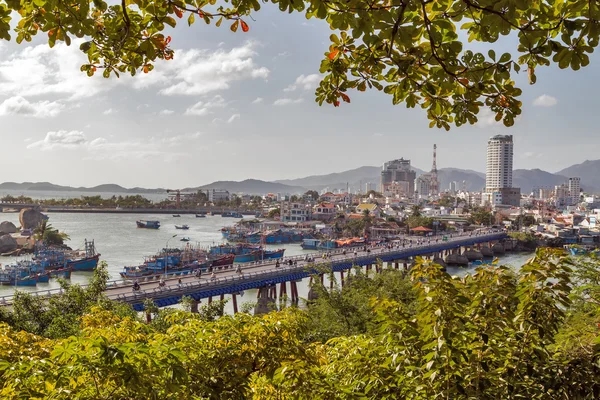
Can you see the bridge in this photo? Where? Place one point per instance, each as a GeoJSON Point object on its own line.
{"type": "Point", "coordinates": [266, 275]}
{"type": "Point", "coordinates": [108, 210]}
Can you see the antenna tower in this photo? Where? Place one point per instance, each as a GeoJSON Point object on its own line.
{"type": "Point", "coordinates": [434, 184]}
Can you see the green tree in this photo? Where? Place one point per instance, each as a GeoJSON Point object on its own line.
{"type": "Point", "coordinates": [408, 49]}
{"type": "Point", "coordinates": [312, 194]}
{"type": "Point", "coordinates": [50, 236]}
{"type": "Point", "coordinates": [276, 212]}
{"type": "Point", "coordinates": [481, 216]}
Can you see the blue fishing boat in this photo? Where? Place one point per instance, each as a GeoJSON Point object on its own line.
{"type": "Point", "coordinates": [272, 254]}
{"type": "Point", "coordinates": [171, 260]}
{"type": "Point", "coordinates": [248, 257]}
{"type": "Point", "coordinates": [23, 273]}
{"type": "Point", "coordinates": [90, 260]}
{"type": "Point", "coordinates": [148, 224]}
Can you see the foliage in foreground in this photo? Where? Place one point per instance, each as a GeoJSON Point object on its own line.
{"type": "Point", "coordinates": [495, 334]}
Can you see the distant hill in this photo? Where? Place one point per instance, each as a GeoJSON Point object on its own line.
{"type": "Point", "coordinates": [473, 180]}
{"type": "Point", "coordinates": [353, 177]}
{"type": "Point", "coordinates": [529, 179]}
{"type": "Point", "coordinates": [358, 177]}
{"type": "Point", "coordinates": [252, 186]}
{"type": "Point", "coordinates": [588, 171]}
{"type": "Point", "coordinates": [51, 187]}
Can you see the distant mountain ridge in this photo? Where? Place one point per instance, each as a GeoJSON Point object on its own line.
{"type": "Point", "coordinates": [51, 187]}
{"type": "Point", "coordinates": [251, 186]}
{"type": "Point", "coordinates": [357, 178]}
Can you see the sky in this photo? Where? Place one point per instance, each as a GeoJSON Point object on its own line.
{"type": "Point", "coordinates": [232, 106]}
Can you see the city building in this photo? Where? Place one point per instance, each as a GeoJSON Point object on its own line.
{"type": "Point", "coordinates": [574, 185]}
{"type": "Point", "coordinates": [398, 171]}
{"type": "Point", "coordinates": [423, 186]}
{"type": "Point", "coordinates": [499, 171]}
{"type": "Point", "coordinates": [452, 187]}
{"type": "Point", "coordinates": [369, 186]}
{"type": "Point", "coordinates": [295, 212]}
{"type": "Point", "coordinates": [561, 195]}
{"type": "Point", "coordinates": [324, 211]}
{"type": "Point", "coordinates": [397, 189]}
{"type": "Point", "coordinates": [215, 195]}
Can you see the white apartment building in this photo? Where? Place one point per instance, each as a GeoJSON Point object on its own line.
{"type": "Point", "coordinates": [295, 212]}
{"type": "Point", "coordinates": [499, 167]}
{"type": "Point", "coordinates": [217, 195]}
{"type": "Point", "coordinates": [574, 185]}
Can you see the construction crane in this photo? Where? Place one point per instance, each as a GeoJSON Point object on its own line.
{"type": "Point", "coordinates": [178, 194]}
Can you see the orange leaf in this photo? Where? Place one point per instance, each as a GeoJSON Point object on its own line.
{"type": "Point", "coordinates": [245, 26]}
{"type": "Point", "coordinates": [333, 53]}
{"type": "Point", "coordinates": [168, 40]}
{"type": "Point", "coordinates": [146, 69]}
{"type": "Point", "coordinates": [178, 12]}
{"type": "Point", "coordinates": [345, 97]}
{"type": "Point", "coordinates": [336, 103]}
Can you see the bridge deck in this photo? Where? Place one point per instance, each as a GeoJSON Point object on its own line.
{"type": "Point", "coordinates": [228, 281]}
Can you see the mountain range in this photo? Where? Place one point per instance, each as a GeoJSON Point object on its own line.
{"type": "Point", "coordinates": [526, 179]}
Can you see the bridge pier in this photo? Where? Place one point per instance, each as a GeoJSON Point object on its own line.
{"type": "Point", "coordinates": [331, 279]}
{"type": "Point", "coordinates": [294, 292]}
{"type": "Point", "coordinates": [222, 297]}
{"type": "Point", "coordinates": [342, 277]}
{"type": "Point", "coordinates": [194, 306]}
{"type": "Point", "coordinates": [397, 265]}
{"type": "Point", "coordinates": [209, 299]}
{"type": "Point", "coordinates": [265, 302]}
{"type": "Point", "coordinates": [234, 301]}
{"type": "Point", "coordinates": [368, 268]}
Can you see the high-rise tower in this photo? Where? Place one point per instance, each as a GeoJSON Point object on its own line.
{"type": "Point", "coordinates": [499, 167]}
{"type": "Point", "coordinates": [434, 183]}
{"type": "Point", "coordinates": [499, 171]}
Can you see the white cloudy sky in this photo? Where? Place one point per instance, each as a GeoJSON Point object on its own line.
{"type": "Point", "coordinates": [232, 106]}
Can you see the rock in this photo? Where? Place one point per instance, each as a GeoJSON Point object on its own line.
{"type": "Point", "coordinates": [7, 227]}
{"type": "Point", "coordinates": [30, 218]}
{"type": "Point", "coordinates": [457, 259]}
{"type": "Point", "coordinates": [7, 244]}
{"type": "Point", "coordinates": [473, 255]}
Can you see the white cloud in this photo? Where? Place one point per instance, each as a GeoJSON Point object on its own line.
{"type": "Point", "coordinates": [304, 82]}
{"type": "Point", "coordinates": [40, 70]}
{"type": "Point", "coordinates": [286, 101]}
{"type": "Point", "coordinates": [487, 118]}
{"type": "Point", "coordinates": [257, 100]}
{"type": "Point", "coordinates": [233, 118]}
{"type": "Point", "coordinates": [18, 105]}
{"type": "Point", "coordinates": [531, 154]}
{"type": "Point", "coordinates": [59, 139]}
{"type": "Point", "coordinates": [166, 112]}
{"type": "Point", "coordinates": [203, 108]}
{"type": "Point", "coordinates": [198, 72]}
{"type": "Point", "coordinates": [110, 111]}
{"type": "Point", "coordinates": [545, 100]}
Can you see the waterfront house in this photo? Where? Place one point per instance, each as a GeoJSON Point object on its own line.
{"type": "Point", "coordinates": [324, 211]}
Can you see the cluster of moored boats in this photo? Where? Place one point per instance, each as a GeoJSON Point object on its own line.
{"type": "Point", "coordinates": [277, 236]}
{"type": "Point", "coordinates": [48, 262]}
{"type": "Point", "coordinates": [190, 259]}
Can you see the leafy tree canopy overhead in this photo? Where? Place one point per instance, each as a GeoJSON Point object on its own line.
{"type": "Point", "coordinates": [410, 49]}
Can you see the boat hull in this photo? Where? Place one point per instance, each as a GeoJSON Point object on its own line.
{"type": "Point", "coordinates": [273, 254]}
{"type": "Point", "coordinates": [85, 264]}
